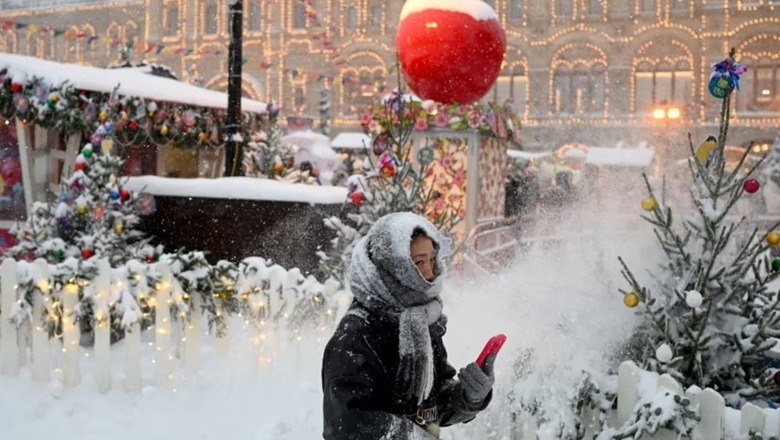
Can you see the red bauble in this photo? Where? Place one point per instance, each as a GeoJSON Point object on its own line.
{"type": "Point", "coordinates": [87, 253]}
{"type": "Point", "coordinates": [357, 198]}
{"type": "Point", "coordinates": [751, 185]}
{"type": "Point", "coordinates": [16, 87]}
{"type": "Point", "coordinates": [80, 166]}
{"type": "Point", "coordinates": [450, 52]}
{"type": "Point", "coordinates": [124, 194]}
{"type": "Point", "coordinates": [387, 170]}
{"type": "Point", "coordinates": [133, 125]}
{"type": "Point", "coordinates": [150, 259]}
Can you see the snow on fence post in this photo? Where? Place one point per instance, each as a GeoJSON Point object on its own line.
{"type": "Point", "coordinates": [70, 334]}
{"type": "Point", "coordinates": [9, 344]}
{"type": "Point", "coordinates": [712, 410]}
{"type": "Point", "coordinates": [752, 419]}
{"type": "Point", "coordinates": [162, 324]}
{"type": "Point", "coordinates": [40, 336]}
{"type": "Point", "coordinates": [133, 358]}
{"type": "Point", "coordinates": [102, 327]}
{"type": "Point", "coordinates": [628, 379]}
{"type": "Point", "coordinates": [192, 338]}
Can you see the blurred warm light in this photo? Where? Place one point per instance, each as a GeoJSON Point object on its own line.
{"type": "Point", "coordinates": [432, 24]}
{"type": "Point", "coordinates": [673, 113]}
{"type": "Point", "coordinates": [659, 113]}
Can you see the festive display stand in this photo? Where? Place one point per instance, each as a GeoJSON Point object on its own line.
{"type": "Point", "coordinates": [468, 171]}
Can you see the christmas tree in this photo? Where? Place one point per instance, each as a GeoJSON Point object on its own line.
{"type": "Point", "coordinates": [265, 156]}
{"type": "Point", "coordinates": [93, 215]}
{"type": "Point", "coordinates": [709, 319]}
{"type": "Point", "coordinates": [391, 183]}
{"type": "Point", "coordinates": [772, 165]}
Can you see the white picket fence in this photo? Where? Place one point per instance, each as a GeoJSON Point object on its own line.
{"type": "Point", "coordinates": [637, 387]}
{"type": "Point", "coordinates": [177, 343]}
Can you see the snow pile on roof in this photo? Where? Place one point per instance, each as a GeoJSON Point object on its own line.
{"type": "Point", "coordinates": [351, 141]}
{"type": "Point", "coordinates": [627, 157]}
{"type": "Point", "coordinates": [131, 82]}
{"type": "Point", "coordinates": [315, 148]}
{"type": "Point", "coordinates": [527, 155]}
{"type": "Point", "coordinates": [478, 9]}
{"type": "Point", "coordinates": [242, 188]}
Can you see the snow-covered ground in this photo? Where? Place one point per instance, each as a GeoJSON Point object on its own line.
{"type": "Point", "coordinates": [561, 303]}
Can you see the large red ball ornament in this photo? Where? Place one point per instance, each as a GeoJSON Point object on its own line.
{"type": "Point", "coordinates": [751, 185]}
{"type": "Point", "coordinates": [450, 51]}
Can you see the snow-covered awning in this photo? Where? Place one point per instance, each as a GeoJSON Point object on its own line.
{"type": "Point", "coordinates": [351, 141]}
{"type": "Point", "coordinates": [241, 188]}
{"type": "Point", "coordinates": [527, 155]}
{"type": "Point", "coordinates": [620, 157]}
{"type": "Point", "coordinates": [131, 82]}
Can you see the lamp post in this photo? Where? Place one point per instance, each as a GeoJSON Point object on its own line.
{"type": "Point", "coordinates": [233, 146]}
{"type": "Point", "coordinates": [666, 114]}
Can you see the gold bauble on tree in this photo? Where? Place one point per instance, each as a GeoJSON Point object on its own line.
{"type": "Point", "coordinates": [649, 203]}
{"type": "Point", "coordinates": [773, 238]}
{"type": "Point", "coordinates": [118, 227]}
{"type": "Point", "coordinates": [631, 299]}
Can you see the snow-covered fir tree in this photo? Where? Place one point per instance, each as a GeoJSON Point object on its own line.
{"type": "Point", "coordinates": [709, 319]}
{"type": "Point", "coordinates": [772, 162]}
{"type": "Point", "coordinates": [93, 215]}
{"type": "Point", "coordinates": [265, 156]}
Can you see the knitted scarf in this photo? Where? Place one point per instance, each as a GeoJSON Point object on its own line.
{"type": "Point", "coordinates": [385, 281]}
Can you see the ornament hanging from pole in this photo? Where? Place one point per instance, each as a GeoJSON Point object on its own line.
{"type": "Point", "coordinates": [450, 52]}
{"type": "Point", "coordinates": [725, 77]}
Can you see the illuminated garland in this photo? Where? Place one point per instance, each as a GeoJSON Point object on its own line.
{"type": "Point", "coordinates": [134, 120]}
{"type": "Point", "coordinates": [494, 120]}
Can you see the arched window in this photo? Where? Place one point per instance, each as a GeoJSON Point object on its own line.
{"type": "Point", "coordinates": [579, 89]}
{"type": "Point", "coordinates": [595, 7]}
{"type": "Point", "coordinates": [210, 16]}
{"type": "Point", "coordinates": [299, 14]}
{"type": "Point", "coordinates": [255, 19]}
{"type": "Point", "coordinates": [516, 9]}
{"type": "Point", "coordinates": [171, 19]}
{"type": "Point", "coordinates": [376, 15]}
{"type": "Point", "coordinates": [351, 20]}
{"type": "Point", "coordinates": [361, 87]}
{"type": "Point", "coordinates": [565, 9]}
{"type": "Point", "coordinates": [511, 87]}
{"type": "Point", "coordinates": [663, 73]}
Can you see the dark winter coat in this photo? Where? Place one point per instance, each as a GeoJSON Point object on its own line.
{"type": "Point", "coordinates": [361, 401]}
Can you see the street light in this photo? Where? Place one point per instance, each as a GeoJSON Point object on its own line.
{"type": "Point", "coordinates": [666, 112]}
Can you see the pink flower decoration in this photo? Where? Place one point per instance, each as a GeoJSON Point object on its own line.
{"type": "Point", "coordinates": [442, 118]}
{"type": "Point", "coordinates": [421, 124]}
{"type": "Point", "coordinates": [446, 161]}
{"type": "Point", "coordinates": [459, 178]}
{"type": "Point", "coordinates": [474, 119]}
{"type": "Point", "coordinates": [366, 117]}
{"type": "Point", "coordinates": [374, 127]}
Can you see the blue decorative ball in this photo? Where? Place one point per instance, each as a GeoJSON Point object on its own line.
{"type": "Point", "coordinates": [721, 85]}
{"type": "Point", "coordinates": [108, 127]}
{"type": "Point", "coordinates": [114, 194]}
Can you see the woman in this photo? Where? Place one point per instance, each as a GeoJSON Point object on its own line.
{"type": "Point", "coordinates": [385, 373]}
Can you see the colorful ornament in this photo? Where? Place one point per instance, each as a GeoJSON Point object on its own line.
{"type": "Point", "coordinates": [106, 146]}
{"type": "Point", "coordinates": [693, 298]}
{"type": "Point", "coordinates": [387, 169]}
{"type": "Point", "coordinates": [278, 168]}
{"type": "Point", "coordinates": [87, 253]}
{"type": "Point", "coordinates": [663, 353]}
{"type": "Point", "coordinates": [114, 194]}
{"type": "Point", "coordinates": [54, 97]}
{"type": "Point", "coordinates": [87, 151]}
{"type": "Point", "coordinates": [16, 87]}
{"type": "Point", "coordinates": [99, 212]}
{"type": "Point", "coordinates": [133, 125]}
{"type": "Point", "coordinates": [631, 300]}
{"type": "Point", "coordinates": [357, 198]}
{"type": "Point", "coordinates": [119, 227]}
{"type": "Point", "coordinates": [164, 130]}
{"type": "Point", "coordinates": [450, 53]}
{"type": "Point", "coordinates": [777, 378]}
{"type": "Point", "coordinates": [102, 116]}
{"type": "Point", "coordinates": [379, 145]}
{"type": "Point", "coordinates": [649, 203]}
{"type": "Point", "coordinates": [751, 186]}
{"type": "Point", "coordinates": [725, 77]}
{"type": "Point", "coordinates": [81, 209]}
{"type": "Point", "coordinates": [150, 259]}
{"type": "Point", "coordinates": [425, 156]}
{"type": "Point", "coordinates": [124, 194]}
{"type": "Point", "coordinates": [80, 166]}
{"type": "Point", "coordinates": [773, 238]}
{"type": "Point", "coordinates": [57, 254]}
{"type": "Point", "coordinates": [776, 264]}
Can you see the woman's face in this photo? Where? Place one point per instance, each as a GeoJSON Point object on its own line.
{"type": "Point", "coordinates": [424, 256]}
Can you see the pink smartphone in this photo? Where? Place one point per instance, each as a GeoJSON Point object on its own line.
{"type": "Point", "coordinates": [493, 345]}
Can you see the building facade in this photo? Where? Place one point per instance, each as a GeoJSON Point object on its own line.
{"type": "Point", "coordinates": [597, 72]}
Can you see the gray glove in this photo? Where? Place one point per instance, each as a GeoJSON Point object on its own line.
{"type": "Point", "coordinates": [477, 382]}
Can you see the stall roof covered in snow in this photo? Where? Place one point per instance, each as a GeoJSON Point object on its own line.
{"type": "Point", "coordinates": [243, 188]}
{"type": "Point", "coordinates": [351, 141]}
{"type": "Point", "coordinates": [626, 157]}
{"type": "Point", "coordinates": [527, 155]}
{"type": "Point", "coordinates": [131, 82]}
